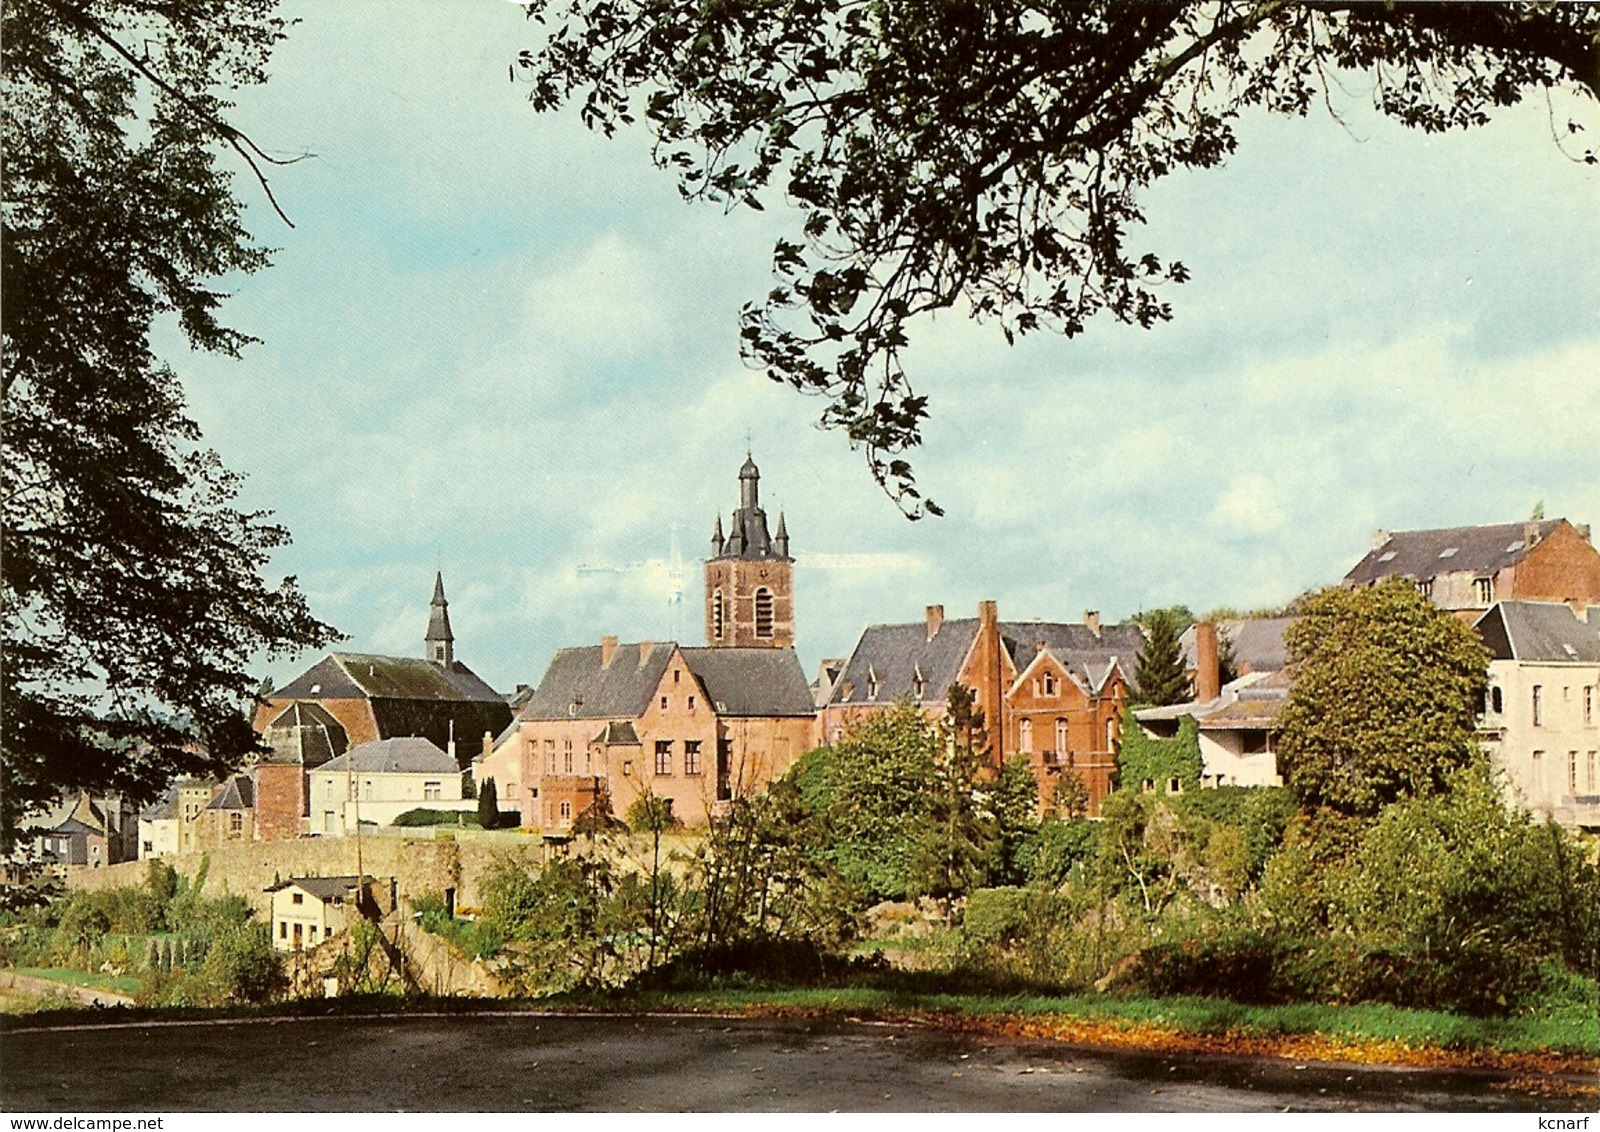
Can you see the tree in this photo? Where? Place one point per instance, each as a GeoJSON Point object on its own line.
{"type": "Point", "coordinates": [1386, 691]}
{"type": "Point", "coordinates": [132, 596]}
{"type": "Point", "coordinates": [1159, 672]}
{"type": "Point", "coordinates": [488, 804]}
{"type": "Point", "coordinates": [992, 157]}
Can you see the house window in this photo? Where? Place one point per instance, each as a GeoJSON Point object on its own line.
{"type": "Point", "coordinates": [1572, 772]}
{"type": "Point", "coordinates": [763, 612]}
{"type": "Point", "coordinates": [283, 929]}
{"type": "Point", "coordinates": [297, 898]}
{"type": "Point", "coordinates": [149, 847]}
{"type": "Point", "coordinates": [1425, 588]}
{"type": "Point", "coordinates": [1497, 703]}
{"type": "Point", "coordinates": [1483, 589]}
{"type": "Point", "coordinates": [550, 756]}
{"type": "Point", "coordinates": [1588, 772]}
{"type": "Point", "coordinates": [676, 674]}
{"type": "Point", "coordinates": [691, 703]}
{"type": "Point", "coordinates": [1588, 706]}
{"type": "Point", "coordinates": [511, 790]}
{"type": "Point", "coordinates": [663, 756]}
{"type": "Point", "coordinates": [1025, 736]}
{"type": "Point", "coordinates": [430, 791]}
{"type": "Point", "coordinates": [716, 616]}
{"type": "Point", "coordinates": [355, 790]}
{"type": "Point", "coordinates": [1061, 736]}
{"type": "Point", "coordinates": [1111, 735]}
{"type": "Point", "coordinates": [236, 823]}
{"type": "Point", "coordinates": [627, 768]}
{"type": "Point", "coordinates": [1048, 684]}
{"type": "Point", "coordinates": [916, 686]}
{"type": "Point", "coordinates": [367, 786]}
{"type": "Point", "coordinates": [1538, 706]}
{"type": "Point", "coordinates": [691, 756]}
{"type": "Point", "coordinates": [1174, 786]}
{"type": "Point", "coordinates": [566, 758]}
{"type": "Point", "coordinates": [566, 811]}
{"type": "Point", "coordinates": [663, 703]}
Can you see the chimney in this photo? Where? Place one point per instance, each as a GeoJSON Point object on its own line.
{"type": "Point", "coordinates": [645, 648]}
{"type": "Point", "coordinates": [988, 613]}
{"type": "Point", "coordinates": [1207, 663]}
{"type": "Point", "coordinates": [1583, 531]}
{"type": "Point", "coordinates": [935, 619]}
{"type": "Point", "coordinates": [608, 649]}
{"type": "Point", "coordinates": [488, 743]}
{"type": "Point", "coordinates": [1530, 534]}
{"type": "Point", "coordinates": [1379, 537]}
{"type": "Point", "coordinates": [1091, 618]}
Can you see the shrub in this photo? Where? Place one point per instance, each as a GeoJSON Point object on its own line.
{"type": "Point", "coordinates": [240, 965]}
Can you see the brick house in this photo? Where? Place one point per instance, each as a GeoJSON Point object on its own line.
{"type": "Point", "coordinates": [1541, 718]}
{"type": "Point", "coordinates": [693, 726]}
{"type": "Point", "coordinates": [1050, 691]}
{"type": "Point", "coordinates": [434, 697]}
{"type": "Point", "coordinates": [1468, 569]}
{"type": "Point", "coordinates": [299, 739]}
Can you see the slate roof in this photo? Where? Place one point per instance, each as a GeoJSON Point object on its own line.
{"type": "Point", "coordinates": [237, 794]}
{"type": "Point", "coordinates": [408, 755]}
{"type": "Point", "coordinates": [304, 734]}
{"type": "Point", "coordinates": [324, 888]}
{"type": "Point", "coordinates": [349, 675]}
{"type": "Point", "coordinates": [1254, 701]}
{"type": "Point", "coordinates": [1477, 550]}
{"type": "Point", "coordinates": [164, 808]}
{"type": "Point", "coordinates": [618, 735]}
{"type": "Point", "coordinates": [577, 686]}
{"type": "Point", "coordinates": [439, 613]}
{"type": "Point", "coordinates": [895, 654]}
{"type": "Point", "coordinates": [752, 682]}
{"type": "Point", "coordinates": [1540, 631]}
{"type": "Point", "coordinates": [1258, 644]}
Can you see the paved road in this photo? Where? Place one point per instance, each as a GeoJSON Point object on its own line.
{"type": "Point", "coordinates": [552, 1063]}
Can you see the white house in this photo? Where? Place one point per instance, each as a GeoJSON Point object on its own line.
{"type": "Point", "coordinates": [376, 782]}
{"type": "Point", "coordinates": [1541, 720]}
{"type": "Point", "coordinates": [307, 911]}
{"type": "Point", "coordinates": [1238, 729]}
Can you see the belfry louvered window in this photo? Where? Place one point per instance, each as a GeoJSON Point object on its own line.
{"type": "Point", "coordinates": [763, 612]}
{"type": "Point", "coordinates": [716, 616]}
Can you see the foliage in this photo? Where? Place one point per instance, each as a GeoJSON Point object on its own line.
{"type": "Point", "coordinates": [1146, 763]}
{"type": "Point", "coordinates": [1260, 813]}
{"type": "Point", "coordinates": [651, 813]}
{"type": "Point", "coordinates": [423, 816]}
{"type": "Point", "coordinates": [993, 157]}
{"type": "Point", "coordinates": [488, 805]}
{"type": "Point", "coordinates": [132, 596]}
{"type": "Point", "coordinates": [957, 837]}
{"type": "Point", "coordinates": [1386, 692]}
{"type": "Point", "coordinates": [1060, 851]}
{"type": "Point", "coordinates": [1013, 798]}
{"type": "Point", "coordinates": [1160, 674]}
{"type": "Point", "coordinates": [240, 965]}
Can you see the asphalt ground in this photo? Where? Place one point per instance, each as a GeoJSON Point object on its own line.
{"type": "Point", "coordinates": [588, 1063]}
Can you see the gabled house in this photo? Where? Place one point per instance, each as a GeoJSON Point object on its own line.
{"type": "Point", "coordinates": [158, 825]}
{"type": "Point", "coordinates": [1050, 691]}
{"type": "Point", "coordinates": [1468, 569]}
{"type": "Point", "coordinates": [1541, 718]}
{"type": "Point", "coordinates": [309, 911]}
{"type": "Point", "coordinates": [374, 783]}
{"type": "Point", "coordinates": [301, 738]}
{"type": "Point", "coordinates": [612, 723]}
{"type": "Point", "coordinates": [371, 697]}
{"type": "Point", "coordinates": [230, 814]}
{"type": "Point", "coordinates": [83, 831]}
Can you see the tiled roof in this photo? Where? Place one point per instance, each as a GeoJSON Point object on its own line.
{"type": "Point", "coordinates": [752, 682]}
{"type": "Point", "coordinates": [1540, 631]}
{"type": "Point", "coordinates": [618, 735]}
{"type": "Point", "coordinates": [1426, 554]}
{"type": "Point", "coordinates": [304, 734]}
{"type": "Point", "coordinates": [349, 675]}
{"type": "Point", "coordinates": [408, 755]}
{"type": "Point", "coordinates": [578, 686]}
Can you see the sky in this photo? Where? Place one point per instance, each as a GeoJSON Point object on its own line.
{"type": "Point", "coordinates": [498, 346]}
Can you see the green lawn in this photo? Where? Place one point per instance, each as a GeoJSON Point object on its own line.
{"type": "Point", "coordinates": [1557, 1031]}
{"type": "Point", "coordinates": [122, 984]}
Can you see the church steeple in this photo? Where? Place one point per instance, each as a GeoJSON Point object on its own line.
{"type": "Point", "coordinates": [440, 644]}
{"type": "Point", "coordinates": [750, 576]}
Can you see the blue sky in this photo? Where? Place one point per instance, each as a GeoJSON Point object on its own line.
{"type": "Point", "coordinates": [497, 345]}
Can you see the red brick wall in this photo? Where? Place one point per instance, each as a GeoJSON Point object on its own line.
{"type": "Point", "coordinates": [1564, 566]}
{"type": "Point", "coordinates": [354, 715]}
{"type": "Point", "coordinates": [281, 800]}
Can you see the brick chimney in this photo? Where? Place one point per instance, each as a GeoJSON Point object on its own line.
{"type": "Point", "coordinates": [988, 613]}
{"type": "Point", "coordinates": [645, 648]}
{"type": "Point", "coordinates": [1091, 618]}
{"type": "Point", "coordinates": [1207, 662]}
{"type": "Point", "coordinates": [935, 619]}
{"type": "Point", "coordinates": [1530, 534]}
{"type": "Point", "coordinates": [608, 649]}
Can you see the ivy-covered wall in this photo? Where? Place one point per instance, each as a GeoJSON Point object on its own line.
{"type": "Point", "coordinates": [1157, 761]}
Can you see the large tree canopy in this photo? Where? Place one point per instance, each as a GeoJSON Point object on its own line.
{"type": "Point", "coordinates": [133, 598]}
{"type": "Point", "coordinates": [991, 156]}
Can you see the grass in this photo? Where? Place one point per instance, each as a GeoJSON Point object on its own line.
{"type": "Point", "coordinates": [1557, 1032]}
{"type": "Point", "coordinates": [122, 984]}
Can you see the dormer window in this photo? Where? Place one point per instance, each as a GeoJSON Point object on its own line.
{"type": "Point", "coordinates": [1449, 552]}
{"type": "Point", "coordinates": [1483, 590]}
{"type": "Point", "coordinates": [1515, 546]}
{"type": "Point", "coordinates": [872, 684]}
{"type": "Point", "coordinates": [917, 683]}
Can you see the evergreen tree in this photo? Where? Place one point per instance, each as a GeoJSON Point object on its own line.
{"type": "Point", "coordinates": [1159, 671]}
{"type": "Point", "coordinates": [488, 805]}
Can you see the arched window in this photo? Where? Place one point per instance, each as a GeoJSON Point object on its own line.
{"type": "Point", "coordinates": [763, 612]}
{"type": "Point", "coordinates": [716, 616]}
{"type": "Point", "coordinates": [1025, 730]}
{"type": "Point", "coordinates": [1111, 735]}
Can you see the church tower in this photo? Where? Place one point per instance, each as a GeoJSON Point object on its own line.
{"type": "Point", "coordinates": [750, 576]}
{"type": "Point", "coordinates": [439, 645]}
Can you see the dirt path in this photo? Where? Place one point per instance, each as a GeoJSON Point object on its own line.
{"type": "Point", "coordinates": [89, 996]}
